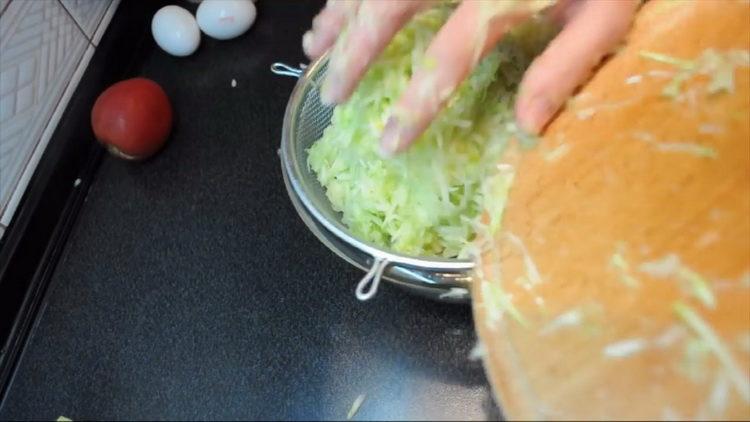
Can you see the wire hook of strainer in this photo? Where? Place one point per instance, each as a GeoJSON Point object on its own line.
{"type": "Point", "coordinates": [368, 286]}
{"type": "Point", "coordinates": [283, 69]}
{"type": "Point", "coordinates": [445, 271]}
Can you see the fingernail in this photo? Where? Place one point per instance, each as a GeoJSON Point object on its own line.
{"type": "Point", "coordinates": [307, 41]}
{"type": "Point", "coordinates": [389, 143]}
{"type": "Point", "coordinates": [534, 114]}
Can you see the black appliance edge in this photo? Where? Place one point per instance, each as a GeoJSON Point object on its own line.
{"type": "Point", "coordinates": [37, 234]}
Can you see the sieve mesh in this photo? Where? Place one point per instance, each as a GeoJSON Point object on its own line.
{"type": "Point", "coordinates": [309, 119]}
{"type": "Point", "coordinates": [313, 116]}
{"type": "Point", "coordinates": [305, 121]}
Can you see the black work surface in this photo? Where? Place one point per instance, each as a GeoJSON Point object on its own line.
{"type": "Point", "coordinates": [190, 288]}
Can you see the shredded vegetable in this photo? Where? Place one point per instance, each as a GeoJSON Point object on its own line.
{"type": "Point", "coordinates": [712, 342]}
{"type": "Point", "coordinates": [570, 318]}
{"type": "Point", "coordinates": [355, 406]}
{"type": "Point", "coordinates": [618, 262]}
{"type": "Point", "coordinates": [718, 66]}
{"type": "Point", "coordinates": [670, 266]}
{"type": "Point", "coordinates": [497, 302]}
{"type": "Point", "coordinates": [694, 363]}
{"type": "Point", "coordinates": [634, 79]}
{"type": "Point", "coordinates": [477, 352]}
{"type": "Point", "coordinates": [625, 348]}
{"type": "Point", "coordinates": [489, 10]}
{"type": "Point", "coordinates": [429, 200]}
{"type": "Point", "coordinates": [743, 341]}
{"type": "Point", "coordinates": [669, 337]}
{"type": "Point", "coordinates": [455, 293]}
{"type": "Point", "coordinates": [557, 153]}
{"type": "Point", "coordinates": [717, 401]}
{"type": "Point", "coordinates": [532, 271]}
{"type": "Point", "coordinates": [692, 148]}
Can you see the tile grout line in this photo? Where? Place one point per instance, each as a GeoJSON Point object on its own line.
{"type": "Point", "coordinates": [30, 167]}
{"type": "Point", "coordinates": [75, 21]}
{"type": "Point", "coordinates": [14, 14]}
{"type": "Point", "coordinates": [104, 22]}
{"type": "Point", "coordinates": [4, 8]}
{"type": "Point", "coordinates": [10, 29]}
{"type": "Point", "coordinates": [27, 169]}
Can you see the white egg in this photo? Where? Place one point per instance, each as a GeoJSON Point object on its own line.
{"type": "Point", "coordinates": [176, 31]}
{"type": "Point", "coordinates": [225, 19]}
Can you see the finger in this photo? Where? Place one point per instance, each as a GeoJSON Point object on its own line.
{"type": "Point", "coordinates": [327, 25]}
{"type": "Point", "coordinates": [570, 58]}
{"type": "Point", "coordinates": [375, 25]}
{"type": "Point", "coordinates": [563, 11]}
{"type": "Point", "coordinates": [467, 35]}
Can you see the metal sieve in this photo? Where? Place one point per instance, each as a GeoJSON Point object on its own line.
{"type": "Point", "coordinates": [305, 120]}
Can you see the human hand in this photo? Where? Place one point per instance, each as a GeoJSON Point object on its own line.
{"type": "Point", "coordinates": [591, 30]}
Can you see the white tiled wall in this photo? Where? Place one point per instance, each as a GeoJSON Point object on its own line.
{"type": "Point", "coordinates": [45, 45]}
{"type": "Point", "coordinates": [87, 13]}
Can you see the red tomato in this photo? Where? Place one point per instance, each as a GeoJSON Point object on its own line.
{"type": "Point", "coordinates": [132, 118]}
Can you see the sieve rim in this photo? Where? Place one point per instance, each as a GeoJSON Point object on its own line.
{"type": "Point", "coordinates": [292, 168]}
{"type": "Point", "coordinates": [431, 284]}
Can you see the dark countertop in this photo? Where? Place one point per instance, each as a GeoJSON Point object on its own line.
{"type": "Point", "coordinates": [190, 289]}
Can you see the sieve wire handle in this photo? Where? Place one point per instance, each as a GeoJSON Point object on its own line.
{"type": "Point", "coordinates": [368, 286]}
{"type": "Point", "coordinates": [283, 69]}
